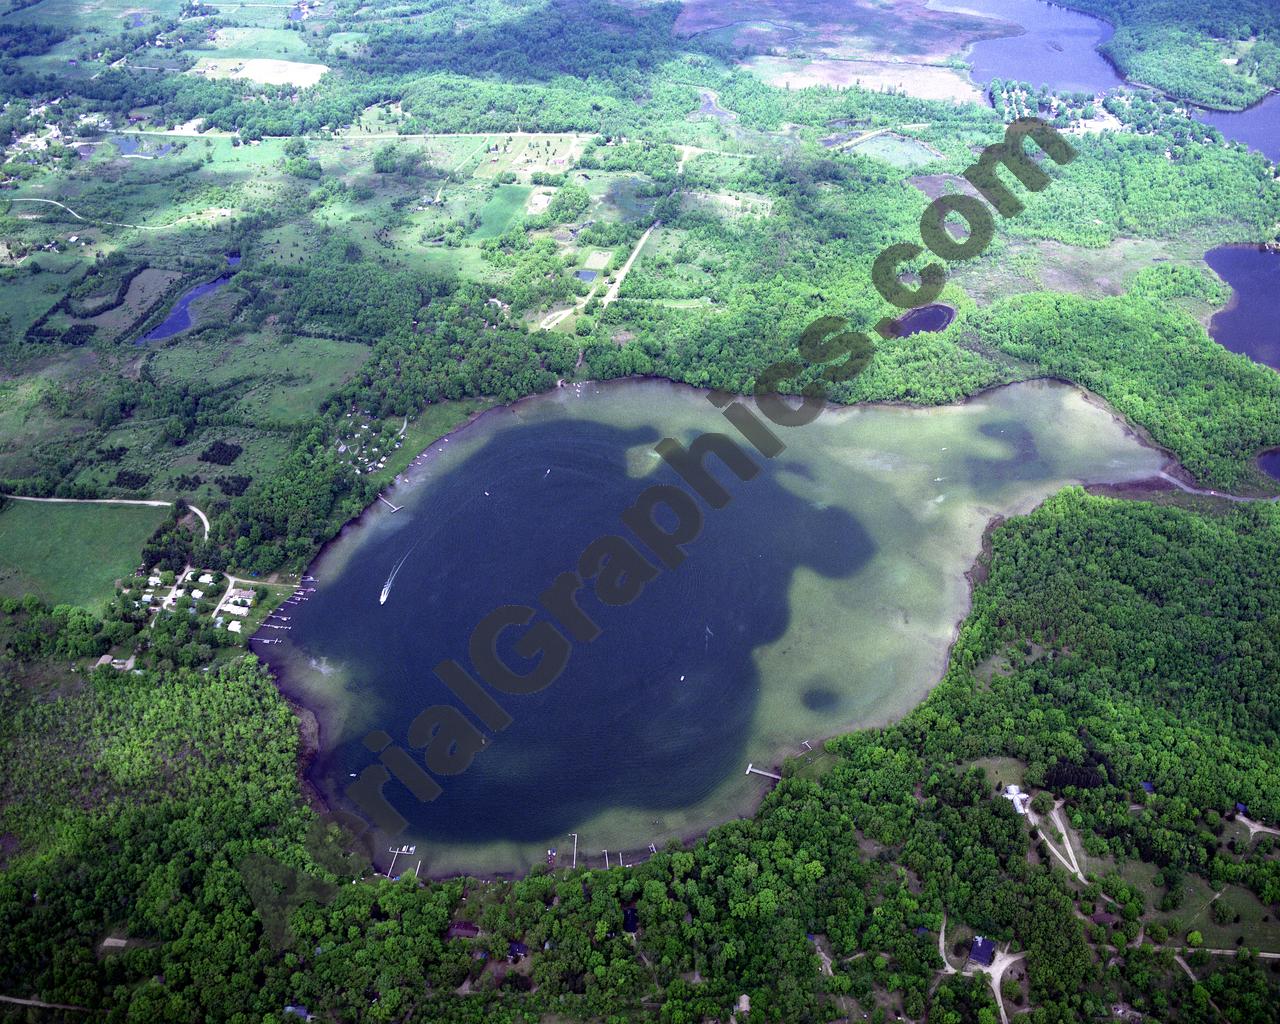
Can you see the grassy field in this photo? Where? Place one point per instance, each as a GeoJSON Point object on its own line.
{"type": "Point", "coordinates": [282, 383]}
{"type": "Point", "coordinates": [71, 553]}
{"type": "Point", "coordinates": [498, 212]}
{"type": "Point", "coordinates": [897, 150]}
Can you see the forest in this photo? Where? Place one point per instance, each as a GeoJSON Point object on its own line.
{"type": "Point", "coordinates": [1182, 47]}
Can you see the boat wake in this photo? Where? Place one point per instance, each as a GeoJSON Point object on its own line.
{"type": "Point", "coordinates": [386, 587]}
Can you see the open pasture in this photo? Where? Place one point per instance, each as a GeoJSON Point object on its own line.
{"type": "Point", "coordinates": [264, 70]}
{"type": "Point", "coordinates": [497, 214]}
{"type": "Point", "coordinates": [898, 150]}
{"type": "Point", "coordinates": [71, 553]}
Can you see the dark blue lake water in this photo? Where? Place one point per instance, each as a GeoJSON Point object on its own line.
{"type": "Point", "coordinates": [179, 318]}
{"type": "Point", "coordinates": [668, 691]}
{"type": "Point", "coordinates": [1249, 323]}
{"type": "Point", "coordinates": [1059, 48]}
{"type": "Point", "coordinates": [1258, 127]}
{"type": "Point", "coordinates": [824, 595]}
{"type": "Point", "coordinates": [137, 145]}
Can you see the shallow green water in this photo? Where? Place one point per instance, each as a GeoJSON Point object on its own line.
{"type": "Point", "coordinates": [821, 598]}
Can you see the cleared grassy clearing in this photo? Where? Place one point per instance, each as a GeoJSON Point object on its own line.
{"type": "Point", "coordinates": [267, 70]}
{"type": "Point", "coordinates": [498, 213]}
{"type": "Point", "coordinates": [897, 150]}
{"type": "Point", "coordinates": [257, 42]}
{"type": "Point", "coordinates": [71, 553]}
{"type": "Point", "coordinates": [281, 383]}
{"type": "Point", "coordinates": [922, 80]}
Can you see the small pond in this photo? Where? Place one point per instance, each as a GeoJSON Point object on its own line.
{"type": "Point", "coordinates": [925, 319]}
{"type": "Point", "coordinates": [179, 318]}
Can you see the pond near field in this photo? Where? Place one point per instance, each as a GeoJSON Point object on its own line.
{"type": "Point", "coordinates": [179, 318]}
{"type": "Point", "coordinates": [1057, 47]}
{"type": "Point", "coordinates": [1248, 324]}
{"type": "Point", "coordinates": [822, 597]}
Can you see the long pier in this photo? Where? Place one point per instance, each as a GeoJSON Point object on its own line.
{"type": "Point", "coordinates": [753, 770]}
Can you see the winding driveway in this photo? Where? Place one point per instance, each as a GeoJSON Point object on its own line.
{"type": "Point", "coordinates": [87, 220]}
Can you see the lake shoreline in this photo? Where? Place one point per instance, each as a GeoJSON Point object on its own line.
{"type": "Point", "coordinates": [312, 713]}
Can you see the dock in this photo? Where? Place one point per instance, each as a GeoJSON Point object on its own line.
{"type": "Point", "coordinates": [753, 770]}
{"type": "Point", "coordinates": [394, 508]}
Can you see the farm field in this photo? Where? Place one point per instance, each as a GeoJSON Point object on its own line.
{"type": "Point", "coordinates": [71, 553]}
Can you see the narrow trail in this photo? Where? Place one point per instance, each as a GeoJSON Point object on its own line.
{"type": "Point", "coordinates": [612, 293]}
{"type": "Point", "coordinates": [86, 220]}
{"type": "Point", "coordinates": [1187, 488]}
{"type": "Point", "coordinates": [204, 519]}
{"type": "Point", "coordinates": [942, 946]}
{"type": "Point", "coordinates": [43, 1005]}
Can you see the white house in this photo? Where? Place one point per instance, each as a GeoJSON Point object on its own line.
{"type": "Point", "coordinates": [1021, 801]}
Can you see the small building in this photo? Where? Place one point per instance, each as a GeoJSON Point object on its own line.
{"type": "Point", "coordinates": [206, 578]}
{"type": "Point", "coordinates": [516, 950]}
{"type": "Point", "coordinates": [983, 951]}
{"type": "Point", "coordinates": [630, 919]}
{"type": "Point", "coordinates": [1148, 787]}
{"type": "Point", "coordinates": [1242, 808]}
{"type": "Point", "coordinates": [234, 626]}
{"type": "Point", "coordinates": [1105, 918]}
{"type": "Point", "coordinates": [1021, 801]}
{"type": "Point", "coordinates": [462, 930]}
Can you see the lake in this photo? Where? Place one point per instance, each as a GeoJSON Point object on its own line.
{"type": "Point", "coordinates": [179, 318]}
{"type": "Point", "coordinates": [1058, 48]}
{"type": "Point", "coordinates": [1248, 324]}
{"type": "Point", "coordinates": [823, 597]}
{"type": "Point", "coordinates": [1258, 127]}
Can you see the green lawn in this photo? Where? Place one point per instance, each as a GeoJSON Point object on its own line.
{"type": "Point", "coordinates": [71, 554]}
